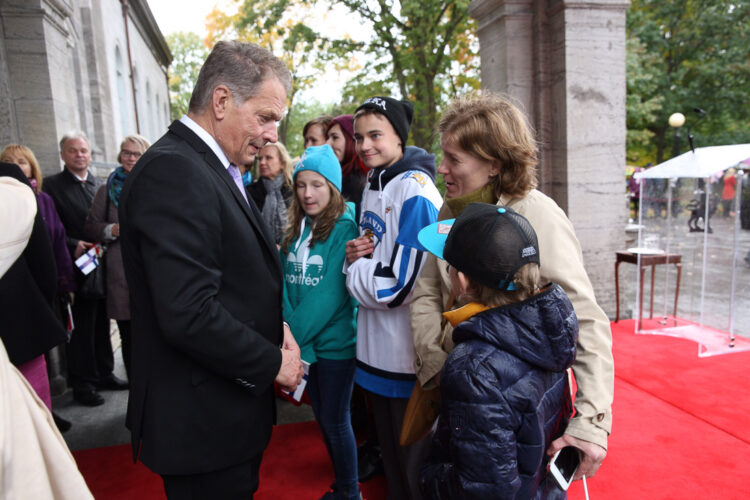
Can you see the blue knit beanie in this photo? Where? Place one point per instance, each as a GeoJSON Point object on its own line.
{"type": "Point", "coordinates": [320, 159]}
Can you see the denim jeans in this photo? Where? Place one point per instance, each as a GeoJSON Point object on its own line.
{"type": "Point", "coordinates": [329, 388]}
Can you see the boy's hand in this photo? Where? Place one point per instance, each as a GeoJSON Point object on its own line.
{"type": "Point", "coordinates": [358, 247]}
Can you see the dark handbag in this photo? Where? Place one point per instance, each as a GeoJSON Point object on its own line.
{"type": "Point", "coordinates": [94, 284]}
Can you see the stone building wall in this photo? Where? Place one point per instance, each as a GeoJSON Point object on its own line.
{"type": "Point", "coordinates": [57, 59]}
{"type": "Point", "coordinates": [564, 61]}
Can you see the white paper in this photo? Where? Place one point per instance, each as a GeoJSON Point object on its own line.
{"type": "Point", "coordinates": [297, 394]}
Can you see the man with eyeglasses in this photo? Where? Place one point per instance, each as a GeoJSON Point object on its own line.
{"type": "Point", "coordinates": [89, 352]}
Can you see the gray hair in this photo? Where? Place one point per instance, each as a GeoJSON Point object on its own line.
{"type": "Point", "coordinates": [73, 134]}
{"type": "Point", "coordinates": [242, 67]}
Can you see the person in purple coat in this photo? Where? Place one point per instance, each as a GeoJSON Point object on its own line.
{"type": "Point", "coordinates": [25, 158]}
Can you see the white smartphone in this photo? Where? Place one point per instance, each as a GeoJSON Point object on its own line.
{"type": "Point", "coordinates": [564, 465]}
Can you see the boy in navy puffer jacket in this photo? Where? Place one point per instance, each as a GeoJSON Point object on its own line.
{"type": "Point", "coordinates": [504, 388]}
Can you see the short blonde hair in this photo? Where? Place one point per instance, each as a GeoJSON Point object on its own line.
{"type": "Point", "coordinates": [136, 139]}
{"type": "Point", "coordinates": [36, 172]}
{"type": "Point", "coordinates": [287, 166]}
{"type": "Point", "coordinates": [490, 127]}
{"type": "Point", "coordinates": [527, 281]}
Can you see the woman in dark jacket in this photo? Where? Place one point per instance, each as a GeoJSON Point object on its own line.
{"type": "Point", "coordinates": [25, 158]}
{"type": "Point", "coordinates": [103, 225]}
{"type": "Point", "coordinates": [272, 192]}
{"type": "Point", "coordinates": [28, 325]}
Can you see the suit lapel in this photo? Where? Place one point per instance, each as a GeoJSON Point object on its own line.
{"type": "Point", "coordinates": [248, 207]}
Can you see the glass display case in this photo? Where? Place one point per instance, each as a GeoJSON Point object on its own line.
{"type": "Point", "coordinates": [693, 253]}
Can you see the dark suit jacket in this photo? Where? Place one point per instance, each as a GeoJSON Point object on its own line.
{"type": "Point", "coordinates": [205, 285]}
{"type": "Point", "coordinates": [73, 200]}
{"type": "Point", "coordinates": [28, 325]}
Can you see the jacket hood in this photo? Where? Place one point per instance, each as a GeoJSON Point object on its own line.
{"type": "Point", "coordinates": [414, 159]}
{"type": "Point", "coordinates": [541, 330]}
{"type": "Point", "coordinates": [349, 213]}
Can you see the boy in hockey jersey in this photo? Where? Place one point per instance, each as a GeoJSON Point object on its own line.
{"type": "Point", "coordinates": [399, 199]}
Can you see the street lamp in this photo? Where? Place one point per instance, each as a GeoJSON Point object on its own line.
{"type": "Point", "coordinates": [676, 120]}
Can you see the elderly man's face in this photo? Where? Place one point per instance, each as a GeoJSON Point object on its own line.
{"type": "Point", "coordinates": [76, 155]}
{"type": "Point", "coordinates": [246, 127]}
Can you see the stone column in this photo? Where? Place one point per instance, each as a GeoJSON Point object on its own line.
{"type": "Point", "coordinates": [564, 60]}
{"type": "Point", "coordinates": [29, 88]}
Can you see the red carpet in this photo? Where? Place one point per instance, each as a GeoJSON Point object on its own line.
{"type": "Point", "coordinates": [679, 433]}
{"type": "Point", "coordinates": [679, 422]}
{"type": "Point", "coordinates": [111, 474]}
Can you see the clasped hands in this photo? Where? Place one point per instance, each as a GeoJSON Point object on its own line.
{"type": "Point", "coordinates": [291, 371]}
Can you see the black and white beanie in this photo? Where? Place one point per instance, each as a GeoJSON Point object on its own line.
{"type": "Point", "coordinates": [399, 113]}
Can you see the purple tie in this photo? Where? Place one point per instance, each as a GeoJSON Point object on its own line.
{"type": "Point", "coordinates": [235, 173]}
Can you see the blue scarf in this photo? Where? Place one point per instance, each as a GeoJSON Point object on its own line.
{"type": "Point", "coordinates": [115, 183]}
{"type": "Point", "coordinates": [247, 178]}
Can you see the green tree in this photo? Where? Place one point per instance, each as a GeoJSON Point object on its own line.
{"type": "Point", "coordinates": [642, 103]}
{"type": "Point", "coordinates": [425, 48]}
{"type": "Point", "coordinates": [281, 26]}
{"type": "Point", "coordinates": [189, 52]}
{"type": "Point", "coordinates": [693, 54]}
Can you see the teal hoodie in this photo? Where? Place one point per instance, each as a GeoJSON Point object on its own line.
{"type": "Point", "coordinates": [317, 305]}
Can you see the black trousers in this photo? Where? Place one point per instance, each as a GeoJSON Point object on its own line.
{"type": "Point", "coordinates": [402, 464]}
{"type": "Point", "coordinates": [239, 482]}
{"type": "Point", "coordinates": [89, 351]}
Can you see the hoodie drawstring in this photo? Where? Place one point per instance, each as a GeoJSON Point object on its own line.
{"type": "Point", "coordinates": [306, 249]}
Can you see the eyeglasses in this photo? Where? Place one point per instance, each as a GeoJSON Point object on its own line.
{"type": "Point", "coordinates": [134, 154]}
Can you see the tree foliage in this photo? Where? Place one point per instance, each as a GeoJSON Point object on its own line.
{"type": "Point", "coordinates": [282, 27]}
{"type": "Point", "coordinates": [189, 52]}
{"type": "Point", "coordinates": [425, 48]}
{"type": "Point", "coordinates": [686, 54]}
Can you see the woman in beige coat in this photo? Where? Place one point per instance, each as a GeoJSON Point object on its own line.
{"type": "Point", "coordinates": [490, 155]}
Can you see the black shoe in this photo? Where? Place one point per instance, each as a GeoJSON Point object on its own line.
{"type": "Point", "coordinates": [112, 382]}
{"type": "Point", "coordinates": [62, 424]}
{"type": "Point", "coordinates": [88, 397]}
{"type": "Point", "coordinates": [369, 462]}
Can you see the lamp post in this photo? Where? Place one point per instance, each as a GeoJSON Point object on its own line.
{"type": "Point", "coordinates": [676, 120]}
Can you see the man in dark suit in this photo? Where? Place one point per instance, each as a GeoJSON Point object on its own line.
{"type": "Point", "coordinates": [205, 284]}
{"type": "Point", "coordinates": [89, 353]}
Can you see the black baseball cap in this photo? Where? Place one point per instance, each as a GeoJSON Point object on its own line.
{"type": "Point", "coordinates": [486, 242]}
{"type": "Point", "coordinates": [398, 112]}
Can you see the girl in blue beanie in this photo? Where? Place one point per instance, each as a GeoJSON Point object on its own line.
{"type": "Point", "coordinates": [318, 307]}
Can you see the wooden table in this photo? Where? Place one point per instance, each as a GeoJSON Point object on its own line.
{"type": "Point", "coordinates": [647, 260]}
